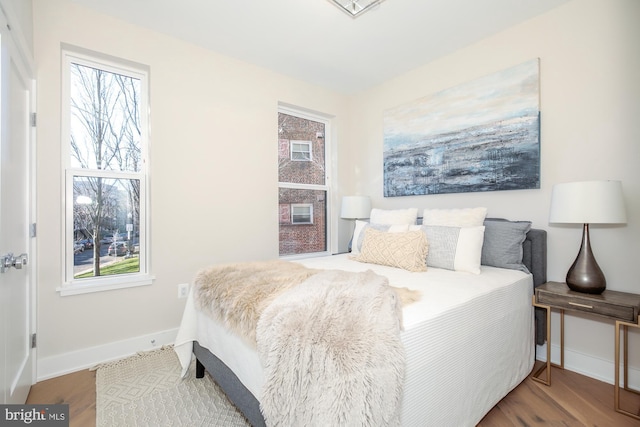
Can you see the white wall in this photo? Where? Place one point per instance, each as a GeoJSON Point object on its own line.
{"type": "Point", "coordinates": [214, 196]}
{"type": "Point", "coordinates": [590, 129]}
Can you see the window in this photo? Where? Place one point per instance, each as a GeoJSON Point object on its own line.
{"type": "Point", "coordinates": [301, 151]}
{"type": "Point", "coordinates": [104, 139]}
{"type": "Point", "coordinates": [302, 214]}
{"type": "Point", "coordinates": [303, 182]}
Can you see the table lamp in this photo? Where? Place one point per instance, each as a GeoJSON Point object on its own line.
{"type": "Point", "coordinates": [587, 202]}
{"type": "Point", "coordinates": [355, 207]}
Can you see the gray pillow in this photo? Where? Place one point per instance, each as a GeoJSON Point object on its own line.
{"type": "Point", "coordinates": [502, 246]}
{"type": "Point", "coordinates": [443, 244]}
{"type": "Point", "coordinates": [454, 248]}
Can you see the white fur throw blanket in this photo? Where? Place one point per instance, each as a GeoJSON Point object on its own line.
{"type": "Point", "coordinates": [332, 353]}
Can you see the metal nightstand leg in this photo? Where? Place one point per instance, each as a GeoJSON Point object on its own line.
{"type": "Point", "coordinates": [549, 364]}
{"type": "Point", "coordinates": [625, 330]}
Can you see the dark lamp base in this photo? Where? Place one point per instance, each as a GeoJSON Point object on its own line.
{"type": "Point", "coordinates": [586, 286]}
{"type": "Point", "coordinates": [585, 274]}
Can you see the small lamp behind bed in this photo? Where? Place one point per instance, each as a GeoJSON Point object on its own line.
{"type": "Point", "coordinates": [355, 207]}
{"type": "Point", "coordinates": [590, 202]}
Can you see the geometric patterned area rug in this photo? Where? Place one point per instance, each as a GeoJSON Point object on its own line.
{"type": "Point", "coordinates": [146, 390]}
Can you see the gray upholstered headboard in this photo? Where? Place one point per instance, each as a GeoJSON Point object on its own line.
{"type": "Point", "coordinates": [534, 255]}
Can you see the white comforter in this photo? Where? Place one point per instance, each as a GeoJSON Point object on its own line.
{"type": "Point", "coordinates": [468, 341]}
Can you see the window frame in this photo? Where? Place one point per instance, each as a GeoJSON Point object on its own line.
{"type": "Point", "coordinates": [71, 285]}
{"type": "Point", "coordinates": [329, 170]}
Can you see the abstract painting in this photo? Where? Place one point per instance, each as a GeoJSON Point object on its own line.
{"type": "Point", "coordinates": [483, 135]}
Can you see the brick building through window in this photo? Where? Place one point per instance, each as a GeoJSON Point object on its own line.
{"type": "Point", "coordinates": [302, 185]}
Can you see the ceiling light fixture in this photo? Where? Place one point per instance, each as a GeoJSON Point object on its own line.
{"type": "Point", "coordinates": [355, 7]}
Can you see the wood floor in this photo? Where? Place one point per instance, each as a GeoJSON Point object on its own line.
{"type": "Point", "coordinates": [571, 400]}
{"type": "Point", "coordinates": [77, 389]}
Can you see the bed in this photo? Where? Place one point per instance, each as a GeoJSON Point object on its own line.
{"type": "Point", "coordinates": [467, 342]}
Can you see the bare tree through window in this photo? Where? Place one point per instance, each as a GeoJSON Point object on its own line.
{"type": "Point", "coordinates": [106, 165]}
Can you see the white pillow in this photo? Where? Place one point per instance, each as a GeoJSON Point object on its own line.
{"type": "Point", "coordinates": [463, 217]}
{"type": "Point", "coordinates": [361, 226]}
{"type": "Point", "coordinates": [454, 248]}
{"type": "Point", "coordinates": [394, 216]}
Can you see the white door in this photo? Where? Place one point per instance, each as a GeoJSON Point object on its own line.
{"type": "Point", "coordinates": [16, 286]}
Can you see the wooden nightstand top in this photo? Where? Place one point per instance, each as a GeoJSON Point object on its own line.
{"type": "Point", "coordinates": [612, 304]}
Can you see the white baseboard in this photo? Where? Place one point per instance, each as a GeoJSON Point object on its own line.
{"type": "Point", "coordinates": [73, 361]}
{"type": "Point", "coordinates": [590, 366]}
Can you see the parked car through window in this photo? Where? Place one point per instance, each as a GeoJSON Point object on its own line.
{"type": "Point", "coordinates": [118, 249]}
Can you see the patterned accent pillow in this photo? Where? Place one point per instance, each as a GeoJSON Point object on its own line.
{"type": "Point", "coordinates": [407, 250]}
{"type": "Point", "coordinates": [362, 226]}
{"type": "Point", "coordinates": [454, 248]}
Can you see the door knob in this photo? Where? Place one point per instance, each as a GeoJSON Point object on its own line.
{"type": "Point", "coordinates": [20, 261]}
{"type": "Point", "coordinates": [7, 261]}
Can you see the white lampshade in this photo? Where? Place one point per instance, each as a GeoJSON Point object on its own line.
{"type": "Point", "coordinates": [355, 207]}
{"type": "Point", "coordinates": [588, 202]}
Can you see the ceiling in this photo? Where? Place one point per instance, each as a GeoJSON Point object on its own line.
{"type": "Point", "coordinates": [314, 41]}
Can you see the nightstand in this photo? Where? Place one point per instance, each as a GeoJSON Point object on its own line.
{"type": "Point", "coordinates": [622, 307]}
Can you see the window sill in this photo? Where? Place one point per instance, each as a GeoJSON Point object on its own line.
{"type": "Point", "coordinates": [304, 256]}
{"type": "Point", "coordinates": [104, 284]}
